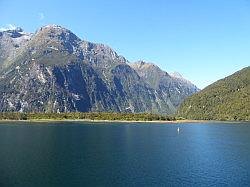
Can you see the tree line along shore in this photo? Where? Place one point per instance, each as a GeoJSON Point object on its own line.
{"type": "Point", "coordinates": [87, 116]}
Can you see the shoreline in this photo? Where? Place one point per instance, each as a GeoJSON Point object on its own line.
{"type": "Point", "coordinates": [121, 121]}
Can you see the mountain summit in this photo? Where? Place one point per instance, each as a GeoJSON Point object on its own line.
{"type": "Point", "coordinates": [52, 70]}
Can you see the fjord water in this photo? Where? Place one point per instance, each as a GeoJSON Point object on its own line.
{"type": "Point", "coordinates": [87, 154]}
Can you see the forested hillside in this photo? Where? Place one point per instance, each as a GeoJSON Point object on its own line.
{"type": "Point", "coordinates": [226, 99]}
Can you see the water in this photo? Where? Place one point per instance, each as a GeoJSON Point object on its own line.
{"type": "Point", "coordinates": [82, 154]}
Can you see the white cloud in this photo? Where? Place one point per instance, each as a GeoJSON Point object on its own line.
{"type": "Point", "coordinates": [8, 27]}
{"type": "Point", "coordinates": [41, 16]}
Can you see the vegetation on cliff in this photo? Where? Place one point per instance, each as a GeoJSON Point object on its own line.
{"type": "Point", "coordinates": [226, 99]}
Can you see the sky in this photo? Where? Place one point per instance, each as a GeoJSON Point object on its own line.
{"type": "Point", "coordinates": [204, 40]}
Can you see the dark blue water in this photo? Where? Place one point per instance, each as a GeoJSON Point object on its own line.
{"type": "Point", "coordinates": [81, 154]}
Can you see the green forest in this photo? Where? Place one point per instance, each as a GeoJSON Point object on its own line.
{"type": "Point", "coordinates": [226, 99]}
{"type": "Point", "coordinates": [85, 116]}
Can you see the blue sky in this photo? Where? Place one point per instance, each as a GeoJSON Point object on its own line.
{"type": "Point", "coordinates": [204, 40]}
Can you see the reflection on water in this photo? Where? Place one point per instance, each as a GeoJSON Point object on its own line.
{"type": "Point", "coordinates": [78, 154]}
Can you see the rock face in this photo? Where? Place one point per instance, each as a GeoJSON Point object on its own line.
{"type": "Point", "coordinates": [53, 70]}
{"type": "Point", "coordinates": [10, 42]}
{"type": "Point", "coordinates": [172, 88]}
{"type": "Point", "coordinates": [226, 99]}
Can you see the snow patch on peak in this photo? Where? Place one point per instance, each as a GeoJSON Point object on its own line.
{"type": "Point", "coordinates": [8, 27]}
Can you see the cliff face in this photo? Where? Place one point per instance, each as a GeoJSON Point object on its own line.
{"type": "Point", "coordinates": [53, 70]}
{"type": "Point", "coordinates": [173, 88]}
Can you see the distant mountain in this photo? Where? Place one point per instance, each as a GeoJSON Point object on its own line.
{"type": "Point", "coordinates": [10, 42]}
{"type": "Point", "coordinates": [173, 88]}
{"type": "Point", "coordinates": [226, 99]}
{"type": "Point", "coordinates": [53, 70]}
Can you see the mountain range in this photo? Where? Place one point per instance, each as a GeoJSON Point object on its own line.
{"type": "Point", "coordinates": [53, 70]}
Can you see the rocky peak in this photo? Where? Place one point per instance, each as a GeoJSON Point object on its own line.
{"type": "Point", "coordinates": [142, 64]}
{"type": "Point", "coordinates": [176, 75]}
{"type": "Point", "coordinates": [52, 27]}
{"type": "Point", "coordinates": [52, 39]}
{"type": "Point", "coordinates": [55, 32]}
{"type": "Point", "coordinates": [11, 39]}
{"type": "Point", "coordinates": [106, 50]}
{"type": "Point", "coordinates": [99, 49]}
{"type": "Point", "coordinates": [101, 56]}
{"type": "Point", "coordinates": [14, 33]}
{"type": "Point", "coordinates": [12, 29]}
{"type": "Point", "coordinates": [147, 68]}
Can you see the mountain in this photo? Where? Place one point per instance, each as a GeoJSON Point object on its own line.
{"type": "Point", "coordinates": [52, 70]}
{"type": "Point", "coordinates": [226, 99]}
{"type": "Point", "coordinates": [10, 42]}
{"type": "Point", "coordinates": [174, 89]}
